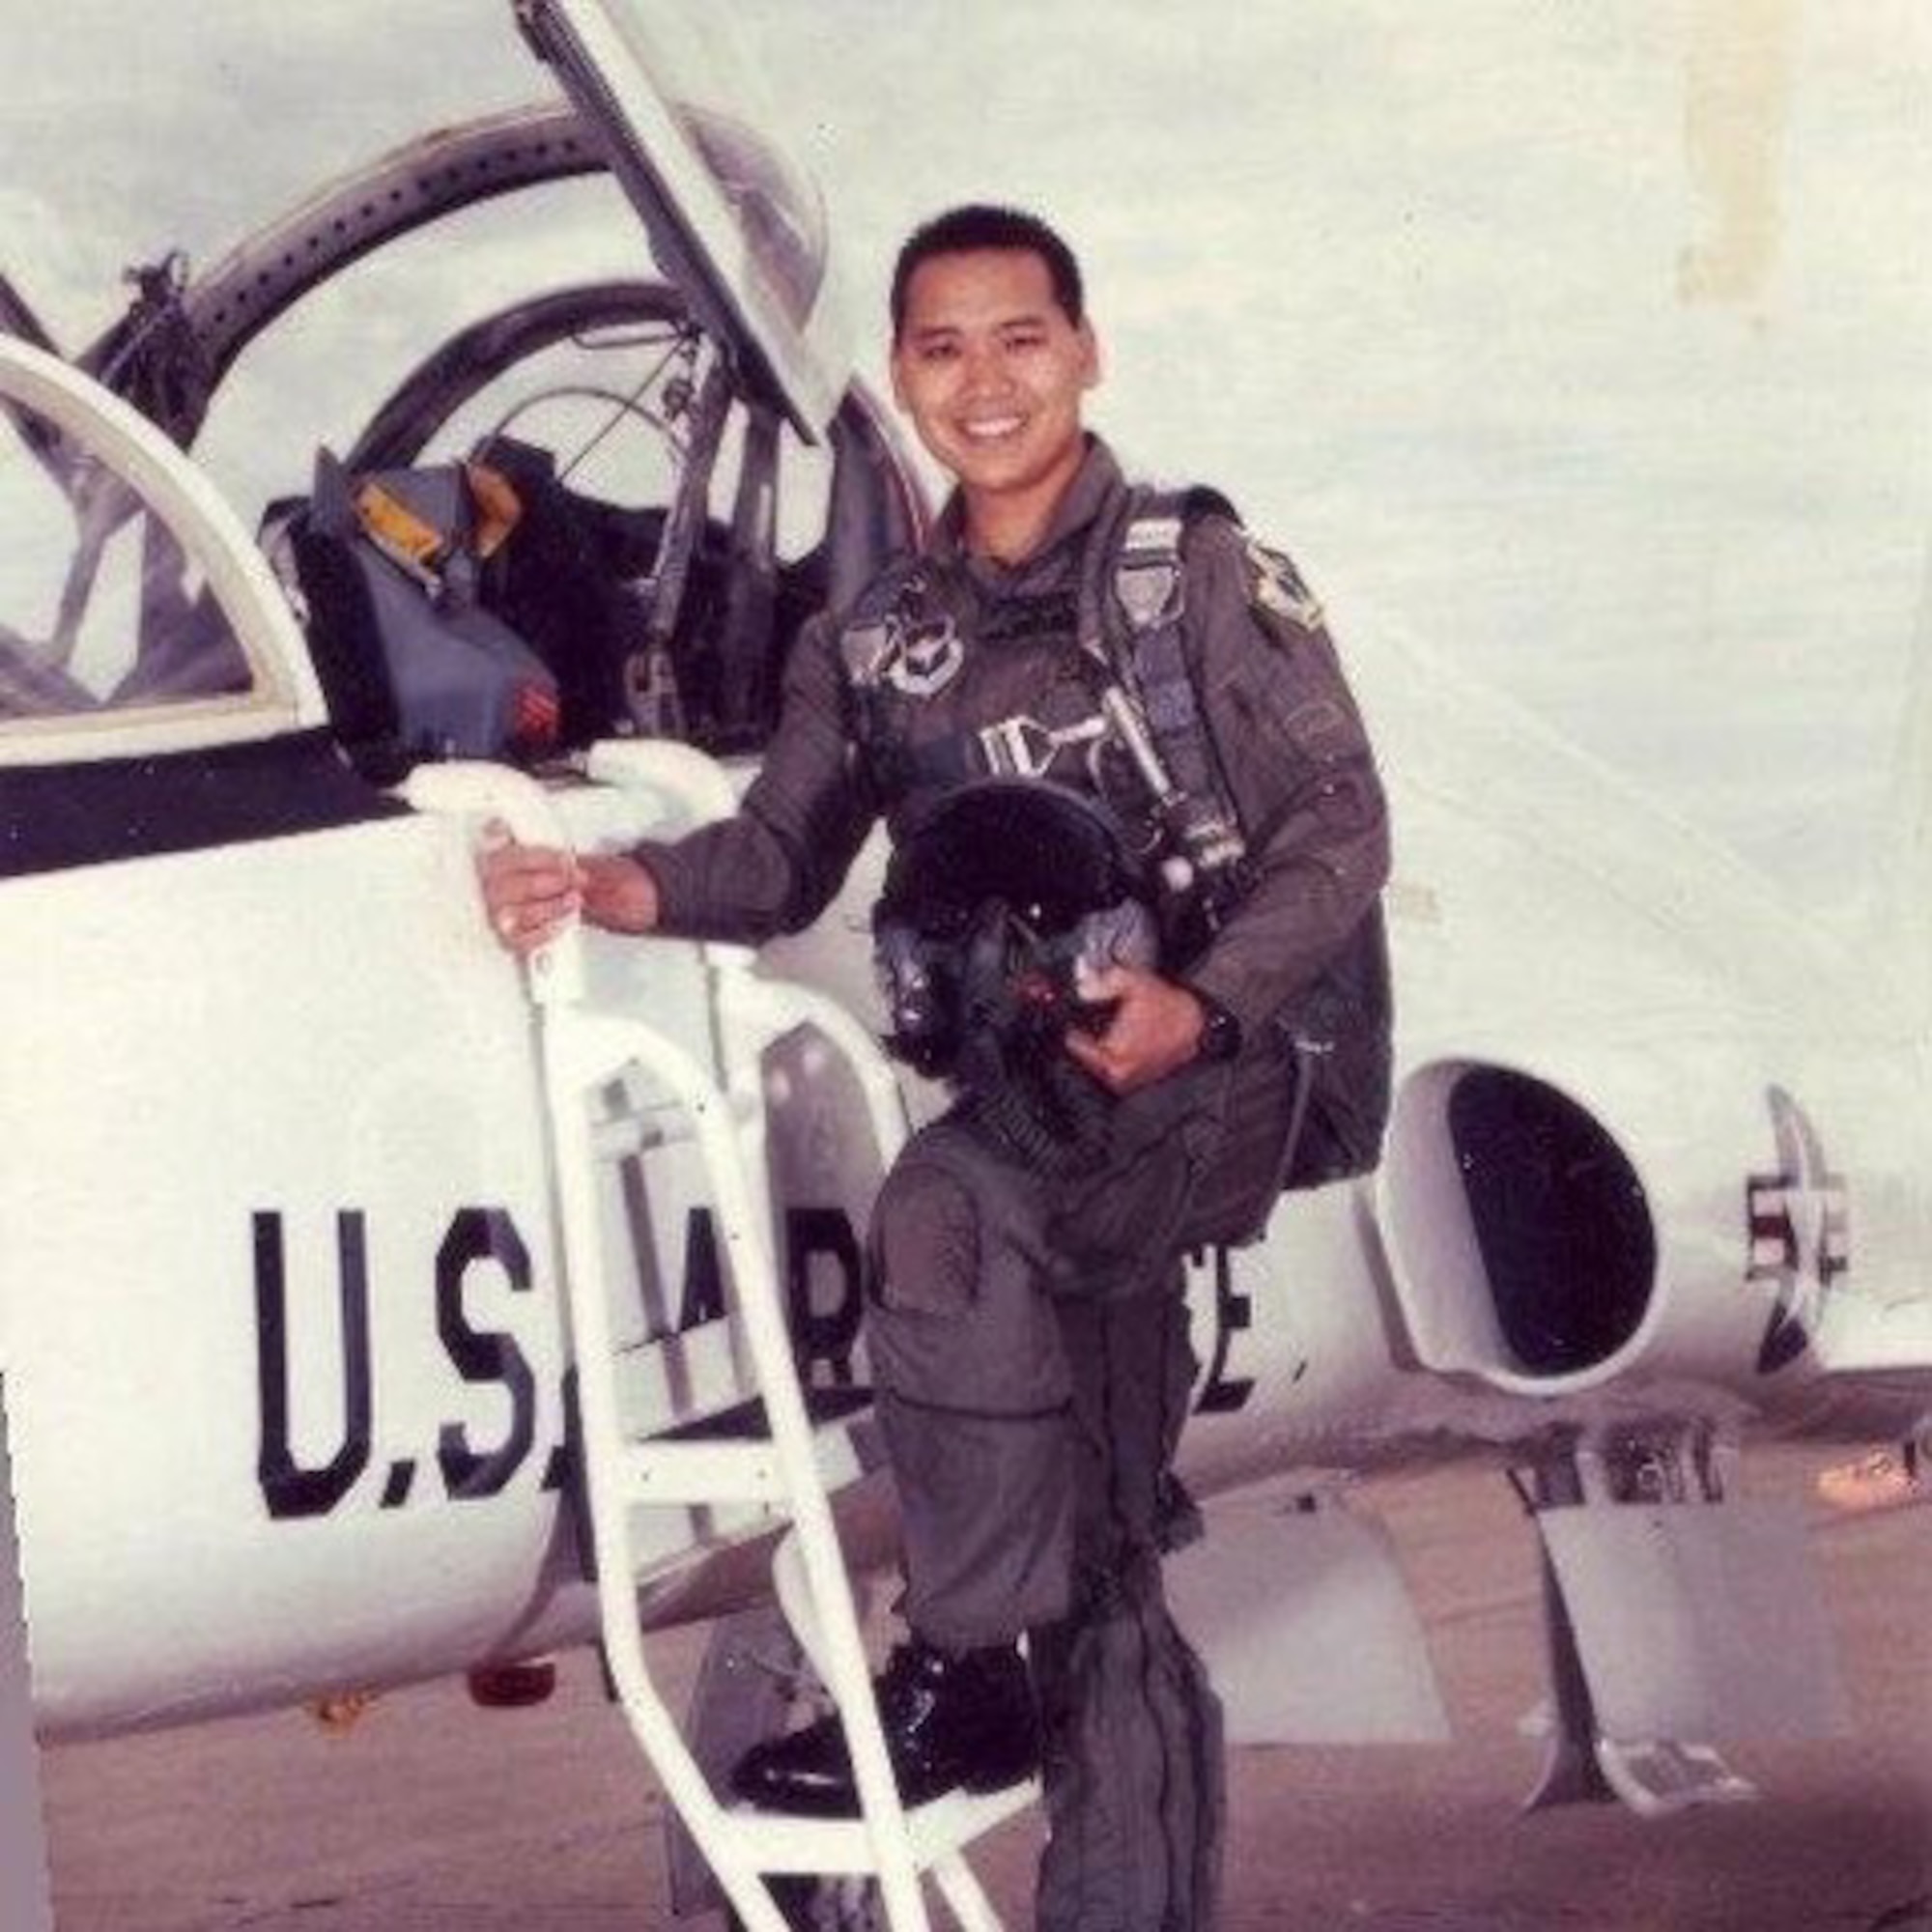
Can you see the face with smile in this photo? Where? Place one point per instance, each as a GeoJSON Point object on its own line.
{"type": "Point", "coordinates": [992, 372]}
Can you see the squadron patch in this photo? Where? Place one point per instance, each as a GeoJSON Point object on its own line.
{"type": "Point", "coordinates": [1277, 587]}
{"type": "Point", "coordinates": [926, 656]}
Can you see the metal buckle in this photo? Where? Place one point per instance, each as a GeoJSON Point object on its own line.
{"type": "Point", "coordinates": [1024, 748]}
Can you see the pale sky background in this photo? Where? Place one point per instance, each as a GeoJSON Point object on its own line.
{"type": "Point", "coordinates": [1590, 344]}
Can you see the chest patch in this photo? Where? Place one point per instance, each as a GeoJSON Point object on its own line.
{"type": "Point", "coordinates": [926, 656]}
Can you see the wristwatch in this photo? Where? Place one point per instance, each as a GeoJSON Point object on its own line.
{"type": "Point", "coordinates": [1220, 1030]}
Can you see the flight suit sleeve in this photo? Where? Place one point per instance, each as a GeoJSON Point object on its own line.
{"type": "Point", "coordinates": [777, 864]}
{"type": "Point", "coordinates": [1296, 757]}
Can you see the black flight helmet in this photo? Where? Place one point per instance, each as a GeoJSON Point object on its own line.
{"type": "Point", "coordinates": [999, 894]}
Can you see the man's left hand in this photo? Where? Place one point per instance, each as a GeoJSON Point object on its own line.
{"type": "Point", "coordinates": [1155, 1029]}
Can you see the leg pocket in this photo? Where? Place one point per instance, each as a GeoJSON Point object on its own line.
{"type": "Point", "coordinates": [958, 1315]}
{"type": "Point", "coordinates": [925, 1242]}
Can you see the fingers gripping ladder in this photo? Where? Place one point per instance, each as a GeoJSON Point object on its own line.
{"type": "Point", "coordinates": [584, 1050]}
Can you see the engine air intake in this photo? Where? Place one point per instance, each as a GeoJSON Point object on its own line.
{"type": "Point", "coordinates": [1522, 1241]}
{"type": "Point", "coordinates": [1559, 1219]}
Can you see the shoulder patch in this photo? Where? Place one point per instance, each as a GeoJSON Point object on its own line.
{"type": "Point", "coordinates": [900, 635]}
{"type": "Point", "coordinates": [919, 657]}
{"type": "Point", "coordinates": [1276, 587]}
{"type": "Point", "coordinates": [866, 648]}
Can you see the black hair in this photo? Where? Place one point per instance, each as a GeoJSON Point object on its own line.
{"type": "Point", "coordinates": [960, 230]}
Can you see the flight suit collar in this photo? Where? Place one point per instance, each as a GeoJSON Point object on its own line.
{"type": "Point", "coordinates": [1095, 484]}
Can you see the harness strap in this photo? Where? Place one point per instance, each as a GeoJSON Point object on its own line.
{"type": "Point", "coordinates": [1020, 746]}
{"type": "Point", "coordinates": [1131, 617]}
{"type": "Point", "coordinates": [872, 635]}
{"type": "Point", "coordinates": [1142, 629]}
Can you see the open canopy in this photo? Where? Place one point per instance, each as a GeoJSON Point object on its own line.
{"type": "Point", "coordinates": [729, 217]}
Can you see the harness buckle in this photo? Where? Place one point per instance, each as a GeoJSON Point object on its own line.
{"type": "Point", "coordinates": [1022, 747]}
{"type": "Point", "coordinates": [1148, 578]}
{"type": "Point", "coordinates": [1151, 591]}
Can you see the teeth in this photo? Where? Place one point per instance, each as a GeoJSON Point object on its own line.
{"type": "Point", "coordinates": [987, 432]}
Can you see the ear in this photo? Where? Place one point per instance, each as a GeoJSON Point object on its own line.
{"type": "Point", "coordinates": [895, 368]}
{"type": "Point", "coordinates": [1091, 370]}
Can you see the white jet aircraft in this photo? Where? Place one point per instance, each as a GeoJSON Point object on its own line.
{"type": "Point", "coordinates": [344, 1257]}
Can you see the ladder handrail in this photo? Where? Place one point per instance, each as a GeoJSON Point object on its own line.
{"type": "Point", "coordinates": [583, 1048]}
{"type": "Point", "coordinates": [651, 1721]}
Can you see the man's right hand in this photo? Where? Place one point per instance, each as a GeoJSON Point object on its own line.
{"type": "Point", "coordinates": [532, 893]}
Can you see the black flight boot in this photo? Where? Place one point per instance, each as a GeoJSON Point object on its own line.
{"type": "Point", "coordinates": [958, 1721]}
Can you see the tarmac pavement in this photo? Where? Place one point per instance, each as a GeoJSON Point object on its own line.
{"type": "Point", "coordinates": [428, 1814]}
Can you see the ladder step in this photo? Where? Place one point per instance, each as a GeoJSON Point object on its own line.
{"type": "Point", "coordinates": [746, 1421]}
{"type": "Point", "coordinates": [639, 1133]}
{"type": "Point", "coordinates": [664, 1473]}
{"type": "Point", "coordinates": [730, 1457]}
{"type": "Point", "coordinates": [634, 1135]}
{"type": "Point", "coordinates": [769, 1842]}
{"type": "Point", "coordinates": [776, 1843]}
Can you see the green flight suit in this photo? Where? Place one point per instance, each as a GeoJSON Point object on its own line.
{"type": "Point", "coordinates": [1028, 1343]}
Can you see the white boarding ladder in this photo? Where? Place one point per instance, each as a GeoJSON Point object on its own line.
{"type": "Point", "coordinates": [585, 1050]}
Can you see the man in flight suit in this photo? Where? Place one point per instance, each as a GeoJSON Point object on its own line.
{"type": "Point", "coordinates": [1028, 1331]}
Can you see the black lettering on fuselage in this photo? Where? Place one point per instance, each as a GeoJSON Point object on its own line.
{"type": "Point", "coordinates": [823, 1335]}
{"type": "Point", "coordinates": [704, 1296]}
{"type": "Point", "coordinates": [478, 1235]}
{"type": "Point", "coordinates": [1222, 1394]}
{"type": "Point", "coordinates": [288, 1488]}
{"type": "Point", "coordinates": [823, 1326]}
{"type": "Point", "coordinates": [483, 1253]}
